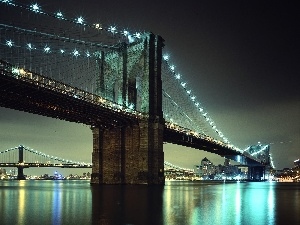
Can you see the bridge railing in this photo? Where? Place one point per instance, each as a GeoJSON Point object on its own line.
{"type": "Point", "coordinates": [195, 134]}
{"type": "Point", "coordinates": [8, 69]}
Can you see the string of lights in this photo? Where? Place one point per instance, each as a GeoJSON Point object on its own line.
{"type": "Point", "coordinates": [15, 149]}
{"type": "Point", "coordinates": [54, 157]}
{"type": "Point", "coordinates": [48, 49]}
{"type": "Point", "coordinates": [168, 164]}
{"type": "Point", "coordinates": [177, 76]}
{"type": "Point", "coordinates": [80, 20]}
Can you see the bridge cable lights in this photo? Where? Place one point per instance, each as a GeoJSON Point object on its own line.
{"type": "Point", "coordinates": [59, 15]}
{"type": "Point", "coordinates": [30, 46]}
{"type": "Point", "coordinates": [8, 2]}
{"type": "Point", "coordinates": [172, 68]}
{"type": "Point", "coordinates": [87, 54]}
{"type": "Point", "coordinates": [47, 49]}
{"type": "Point", "coordinates": [35, 8]}
{"type": "Point", "coordinates": [75, 53]}
{"type": "Point", "coordinates": [9, 43]}
{"type": "Point", "coordinates": [79, 20]}
{"type": "Point", "coordinates": [98, 26]}
{"type": "Point", "coordinates": [166, 57]}
{"type": "Point", "coordinates": [193, 97]}
{"type": "Point", "coordinates": [112, 29]}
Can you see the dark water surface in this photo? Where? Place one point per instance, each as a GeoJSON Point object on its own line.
{"type": "Point", "coordinates": [76, 202]}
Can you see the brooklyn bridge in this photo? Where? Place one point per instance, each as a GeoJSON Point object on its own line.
{"type": "Point", "coordinates": [120, 83]}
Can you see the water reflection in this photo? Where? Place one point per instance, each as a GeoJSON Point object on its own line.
{"type": "Point", "coordinates": [219, 203]}
{"type": "Point", "coordinates": [57, 203]}
{"type": "Point", "coordinates": [45, 202]}
{"type": "Point", "coordinates": [183, 203]}
{"type": "Point", "coordinates": [21, 206]}
{"type": "Point", "coordinates": [116, 204]}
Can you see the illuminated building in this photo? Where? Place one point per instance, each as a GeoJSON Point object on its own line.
{"type": "Point", "coordinates": [297, 163]}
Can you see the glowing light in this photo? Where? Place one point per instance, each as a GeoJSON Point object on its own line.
{"type": "Point", "coordinates": [98, 26]}
{"type": "Point", "coordinates": [79, 20]}
{"type": "Point", "coordinates": [62, 51]}
{"type": "Point", "coordinates": [15, 70]}
{"type": "Point", "coordinates": [9, 43]}
{"type": "Point", "coordinates": [183, 84]}
{"type": "Point", "coordinates": [177, 77]}
{"type": "Point", "coordinates": [137, 35]}
{"type": "Point", "coordinates": [189, 92]}
{"type": "Point", "coordinates": [112, 29]}
{"type": "Point", "coordinates": [172, 68]}
{"type": "Point", "coordinates": [75, 53]}
{"type": "Point", "coordinates": [125, 33]}
{"type": "Point", "coordinates": [59, 15]}
{"type": "Point", "coordinates": [197, 104]}
{"type": "Point", "coordinates": [29, 46]}
{"type": "Point", "coordinates": [9, 2]}
{"type": "Point", "coordinates": [87, 54]}
{"type": "Point", "coordinates": [166, 57]}
{"type": "Point", "coordinates": [47, 49]}
{"type": "Point", "coordinates": [35, 8]}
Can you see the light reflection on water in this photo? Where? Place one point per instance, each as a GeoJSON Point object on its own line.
{"type": "Point", "coordinates": [76, 202]}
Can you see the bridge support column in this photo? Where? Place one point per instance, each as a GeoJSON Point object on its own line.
{"type": "Point", "coordinates": [256, 173]}
{"type": "Point", "coordinates": [128, 155]}
{"type": "Point", "coordinates": [21, 175]}
{"type": "Point", "coordinates": [133, 153]}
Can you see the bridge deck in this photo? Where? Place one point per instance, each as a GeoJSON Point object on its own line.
{"type": "Point", "coordinates": [26, 95]}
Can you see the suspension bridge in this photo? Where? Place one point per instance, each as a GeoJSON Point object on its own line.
{"type": "Point", "coordinates": [121, 83]}
{"type": "Point", "coordinates": [23, 157]}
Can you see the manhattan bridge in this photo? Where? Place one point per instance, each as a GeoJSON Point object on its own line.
{"type": "Point", "coordinates": [120, 83]}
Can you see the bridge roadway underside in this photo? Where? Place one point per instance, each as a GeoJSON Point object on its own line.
{"type": "Point", "coordinates": [179, 138]}
{"type": "Point", "coordinates": [125, 150]}
{"type": "Point", "coordinates": [24, 96]}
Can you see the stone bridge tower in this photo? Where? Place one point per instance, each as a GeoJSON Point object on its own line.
{"type": "Point", "coordinates": [133, 152]}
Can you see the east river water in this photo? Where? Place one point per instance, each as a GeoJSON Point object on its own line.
{"type": "Point", "coordinates": [45, 202]}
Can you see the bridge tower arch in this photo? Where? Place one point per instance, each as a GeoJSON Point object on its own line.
{"type": "Point", "coordinates": [133, 152]}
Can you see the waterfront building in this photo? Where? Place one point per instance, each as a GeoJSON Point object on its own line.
{"type": "Point", "coordinates": [206, 169]}
{"type": "Point", "coordinates": [2, 171]}
{"type": "Point", "coordinates": [297, 163]}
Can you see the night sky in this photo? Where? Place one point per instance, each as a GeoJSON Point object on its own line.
{"type": "Point", "coordinates": [241, 58]}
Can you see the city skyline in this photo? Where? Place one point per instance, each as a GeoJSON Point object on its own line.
{"type": "Point", "coordinates": [239, 59]}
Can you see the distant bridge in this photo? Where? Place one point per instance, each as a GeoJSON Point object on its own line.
{"type": "Point", "coordinates": [24, 157]}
